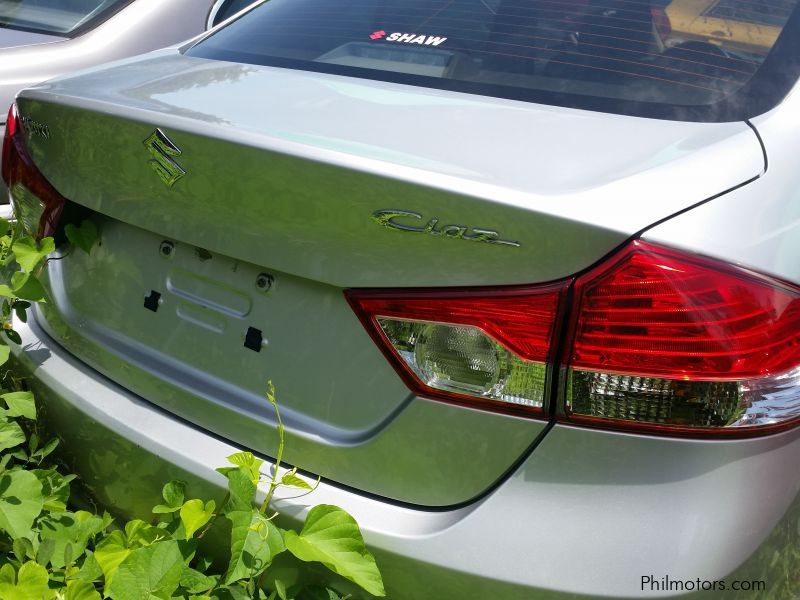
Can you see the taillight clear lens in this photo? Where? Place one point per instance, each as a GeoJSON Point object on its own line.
{"type": "Point", "coordinates": [37, 204]}
{"type": "Point", "coordinates": [464, 360]}
{"type": "Point", "coordinates": [485, 349]}
{"type": "Point", "coordinates": [674, 341]}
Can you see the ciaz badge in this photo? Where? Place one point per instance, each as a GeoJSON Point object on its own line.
{"type": "Point", "coordinates": [389, 218]}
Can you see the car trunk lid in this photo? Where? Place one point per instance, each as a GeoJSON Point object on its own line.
{"type": "Point", "coordinates": [290, 177]}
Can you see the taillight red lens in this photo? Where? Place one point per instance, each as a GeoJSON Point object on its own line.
{"type": "Point", "coordinates": [666, 341]}
{"type": "Point", "coordinates": [12, 126]}
{"type": "Point", "coordinates": [477, 347]}
{"type": "Point", "coordinates": [37, 204]}
{"type": "Point", "coordinates": [653, 311]}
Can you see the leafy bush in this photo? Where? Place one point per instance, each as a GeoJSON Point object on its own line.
{"type": "Point", "coordinates": [49, 551]}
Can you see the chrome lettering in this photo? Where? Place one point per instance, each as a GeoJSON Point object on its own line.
{"type": "Point", "coordinates": [35, 128]}
{"type": "Point", "coordinates": [388, 218]}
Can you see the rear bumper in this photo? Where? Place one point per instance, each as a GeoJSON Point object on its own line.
{"type": "Point", "coordinates": [587, 515]}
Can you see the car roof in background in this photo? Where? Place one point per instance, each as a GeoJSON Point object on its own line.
{"type": "Point", "coordinates": [65, 18]}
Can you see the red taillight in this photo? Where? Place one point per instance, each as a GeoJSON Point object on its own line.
{"type": "Point", "coordinates": [654, 312]}
{"type": "Point", "coordinates": [485, 348]}
{"type": "Point", "coordinates": [666, 342]}
{"type": "Point", "coordinates": [656, 341]}
{"type": "Point", "coordinates": [13, 126]}
{"type": "Point", "coordinates": [37, 203]}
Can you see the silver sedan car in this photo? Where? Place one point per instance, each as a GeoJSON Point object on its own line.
{"type": "Point", "coordinates": [526, 275]}
{"type": "Point", "coordinates": [40, 39]}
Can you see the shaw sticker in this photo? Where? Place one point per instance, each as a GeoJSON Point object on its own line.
{"type": "Point", "coordinates": [408, 38]}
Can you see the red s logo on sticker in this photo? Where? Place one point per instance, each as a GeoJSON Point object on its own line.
{"type": "Point", "coordinates": [376, 35]}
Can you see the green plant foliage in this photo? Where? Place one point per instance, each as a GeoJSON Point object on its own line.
{"type": "Point", "coordinates": [332, 537]}
{"type": "Point", "coordinates": [50, 550]}
{"type": "Point", "coordinates": [30, 582]}
{"type": "Point", "coordinates": [255, 541]}
{"type": "Point", "coordinates": [83, 236]}
{"type": "Point", "coordinates": [21, 501]}
{"type": "Point", "coordinates": [194, 514]}
{"type": "Point", "coordinates": [173, 494]}
{"type": "Point", "coordinates": [29, 254]}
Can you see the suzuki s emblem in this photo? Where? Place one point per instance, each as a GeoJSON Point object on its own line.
{"type": "Point", "coordinates": [163, 149]}
{"type": "Point", "coordinates": [389, 218]}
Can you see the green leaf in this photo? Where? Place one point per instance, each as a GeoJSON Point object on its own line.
{"type": "Point", "coordinates": [110, 553]}
{"type": "Point", "coordinates": [55, 487]}
{"type": "Point", "coordinates": [194, 515]}
{"type": "Point", "coordinates": [90, 571]}
{"type": "Point", "coordinates": [5, 353]}
{"type": "Point", "coordinates": [20, 310]}
{"type": "Point", "coordinates": [32, 290]}
{"type": "Point", "coordinates": [28, 253]}
{"type": "Point", "coordinates": [292, 480]}
{"type": "Point", "coordinates": [84, 236]}
{"type": "Point", "coordinates": [13, 336]}
{"type": "Point", "coordinates": [11, 434]}
{"type": "Point", "coordinates": [69, 529]}
{"type": "Point", "coordinates": [81, 590]}
{"type": "Point", "coordinates": [8, 575]}
{"type": "Point", "coordinates": [255, 541]}
{"type": "Point", "coordinates": [51, 479]}
{"type": "Point", "coordinates": [20, 404]}
{"type": "Point", "coordinates": [150, 572]}
{"type": "Point", "coordinates": [203, 563]}
{"type": "Point", "coordinates": [138, 533]}
{"type": "Point", "coordinates": [173, 494]}
{"type": "Point", "coordinates": [235, 592]}
{"type": "Point", "coordinates": [19, 279]}
{"type": "Point", "coordinates": [317, 592]}
{"type": "Point", "coordinates": [31, 583]}
{"type": "Point", "coordinates": [248, 463]}
{"type": "Point", "coordinates": [280, 587]}
{"type": "Point", "coordinates": [46, 450]}
{"type": "Point", "coordinates": [20, 502]}
{"type": "Point", "coordinates": [331, 536]}
{"type": "Point", "coordinates": [23, 549]}
{"type": "Point", "coordinates": [45, 552]}
{"type": "Point", "coordinates": [241, 490]}
{"type": "Point", "coordinates": [195, 582]}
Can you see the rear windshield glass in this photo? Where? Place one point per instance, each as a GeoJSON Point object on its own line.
{"type": "Point", "coordinates": [59, 17]}
{"type": "Point", "coordinates": [708, 60]}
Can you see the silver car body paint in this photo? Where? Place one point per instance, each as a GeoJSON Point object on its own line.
{"type": "Point", "coordinates": [758, 225]}
{"type": "Point", "coordinates": [11, 38]}
{"type": "Point", "coordinates": [585, 512]}
{"type": "Point", "coordinates": [27, 58]}
{"type": "Point", "coordinates": [393, 146]}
